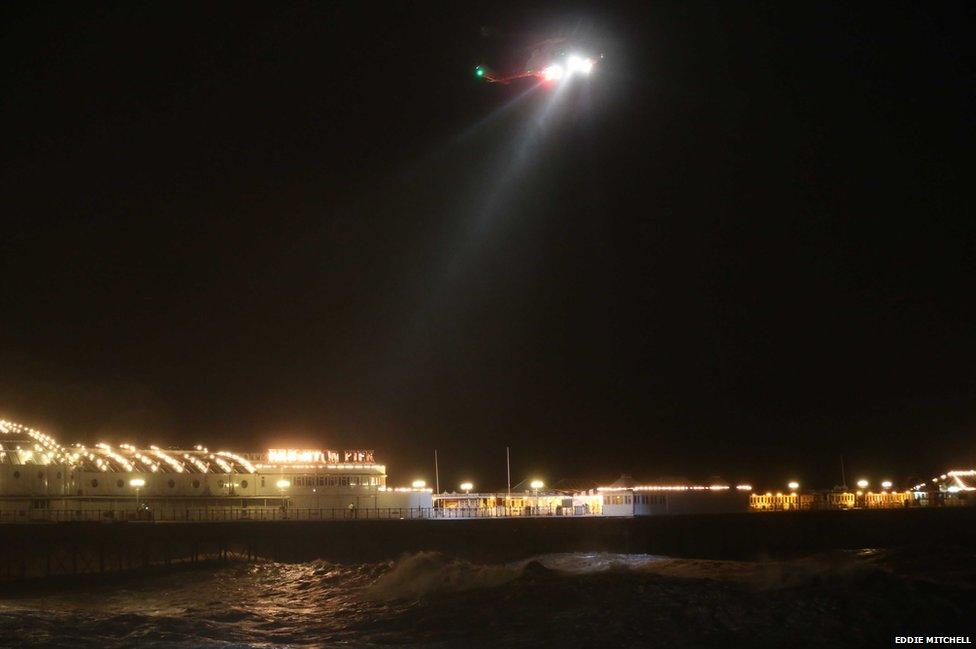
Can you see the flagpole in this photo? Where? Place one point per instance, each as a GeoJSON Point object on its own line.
{"type": "Point", "coordinates": [437, 475]}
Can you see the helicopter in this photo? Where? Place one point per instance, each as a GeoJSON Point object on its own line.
{"type": "Point", "coordinates": [551, 60]}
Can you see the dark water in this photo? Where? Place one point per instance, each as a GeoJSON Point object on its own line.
{"type": "Point", "coordinates": [567, 600]}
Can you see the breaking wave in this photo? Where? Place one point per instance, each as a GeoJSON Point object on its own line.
{"type": "Point", "coordinates": [427, 573]}
{"type": "Point", "coordinates": [431, 573]}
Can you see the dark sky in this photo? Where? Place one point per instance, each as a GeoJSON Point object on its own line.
{"type": "Point", "coordinates": [743, 248]}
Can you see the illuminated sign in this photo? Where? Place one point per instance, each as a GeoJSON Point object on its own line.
{"type": "Point", "coordinates": [312, 456]}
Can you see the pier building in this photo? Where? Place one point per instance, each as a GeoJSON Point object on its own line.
{"type": "Point", "coordinates": [516, 503]}
{"type": "Point", "coordinates": [39, 473]}
{"type": "Point", "coordinates": [626, 497]}
{"type": "Point", "coordinates": [955, 488]}
{"type": "Point", "coordinates": [835, 499]}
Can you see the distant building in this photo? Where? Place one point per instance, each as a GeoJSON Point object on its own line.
{"type": "Point", "coordinates": [783, 502]}
{"type": "Point", "coordinates": [836, 499]}
{"type": "Point", "coordinates": [955, 488]}
{"type": "Point", "coordinates": [527, 503]}
{"type": "Point", "coordinates": [839, 499]}
{"type": "Point", "coordinates": [887, 499]}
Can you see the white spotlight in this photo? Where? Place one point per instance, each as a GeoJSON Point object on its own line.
{"type": "Point", "coordinates": [576, 63]}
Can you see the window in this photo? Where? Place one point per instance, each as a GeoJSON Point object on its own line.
{"type": "Point", "coordinates": [243, 484]}
{"type": "Point", "coordinates": [171, 483]}
{"type": "Point", "coordinates": [119, 483]}
{"type": "Point", "coordinates": [196, 484]}
{"type": "Point", "coordinates": [262, 481]}
{"type": "Point", "coordinates": [320, 481]}
{"type": "Point", "coordinates": [94, 482]}
{"type": "Point", "coordinates": [16, 474]}
{"type": "Point", "coordinates": [40, 475]}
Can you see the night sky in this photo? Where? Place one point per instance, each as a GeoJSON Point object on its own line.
{"type": "Point", "coordinates": [743, 248]}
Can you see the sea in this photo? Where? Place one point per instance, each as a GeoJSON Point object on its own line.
{"type": "Point", "coordinates": [837, 599]}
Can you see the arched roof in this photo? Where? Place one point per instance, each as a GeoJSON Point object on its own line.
{"type": "Point", "coordinates": [24, 445]}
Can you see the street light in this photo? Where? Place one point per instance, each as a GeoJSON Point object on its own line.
{"type": "Point", "coordinates": [137, 484]}
{"type": "Point", "coordinates": [794, 485]}
{"type": "Point", "coordinates": [282, 485]}
{"type": "Point", "coordinates": [536, 485]}
{"type": "Point", "coordinates": [862, 484]}
{"type": "Point", "coordinates": [466, 487]}
{"type": "Point", "coordinates": [418, 484]}
{"type": "Point", "coordinates": [886, 484]}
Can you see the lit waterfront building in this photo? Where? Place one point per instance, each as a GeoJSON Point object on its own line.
{"type": "Point", "coordinates": [622, 498]}
{"type": "Point", "coordinates": [838, 498]}
{"type": "Point", "coordinates": [887, 499]}
{"type": "Point", "coordinates": [779, 501]}
{"type": "Point", "coordinates": [517, 503]}
{"type": "Point", "coordinates": [38, 475]}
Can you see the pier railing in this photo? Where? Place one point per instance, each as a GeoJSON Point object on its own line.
{"type": "Point", "coordinates": [219, 514]}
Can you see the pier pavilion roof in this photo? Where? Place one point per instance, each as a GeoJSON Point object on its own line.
{"type": "Point", "coordinates": [24, 445]}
